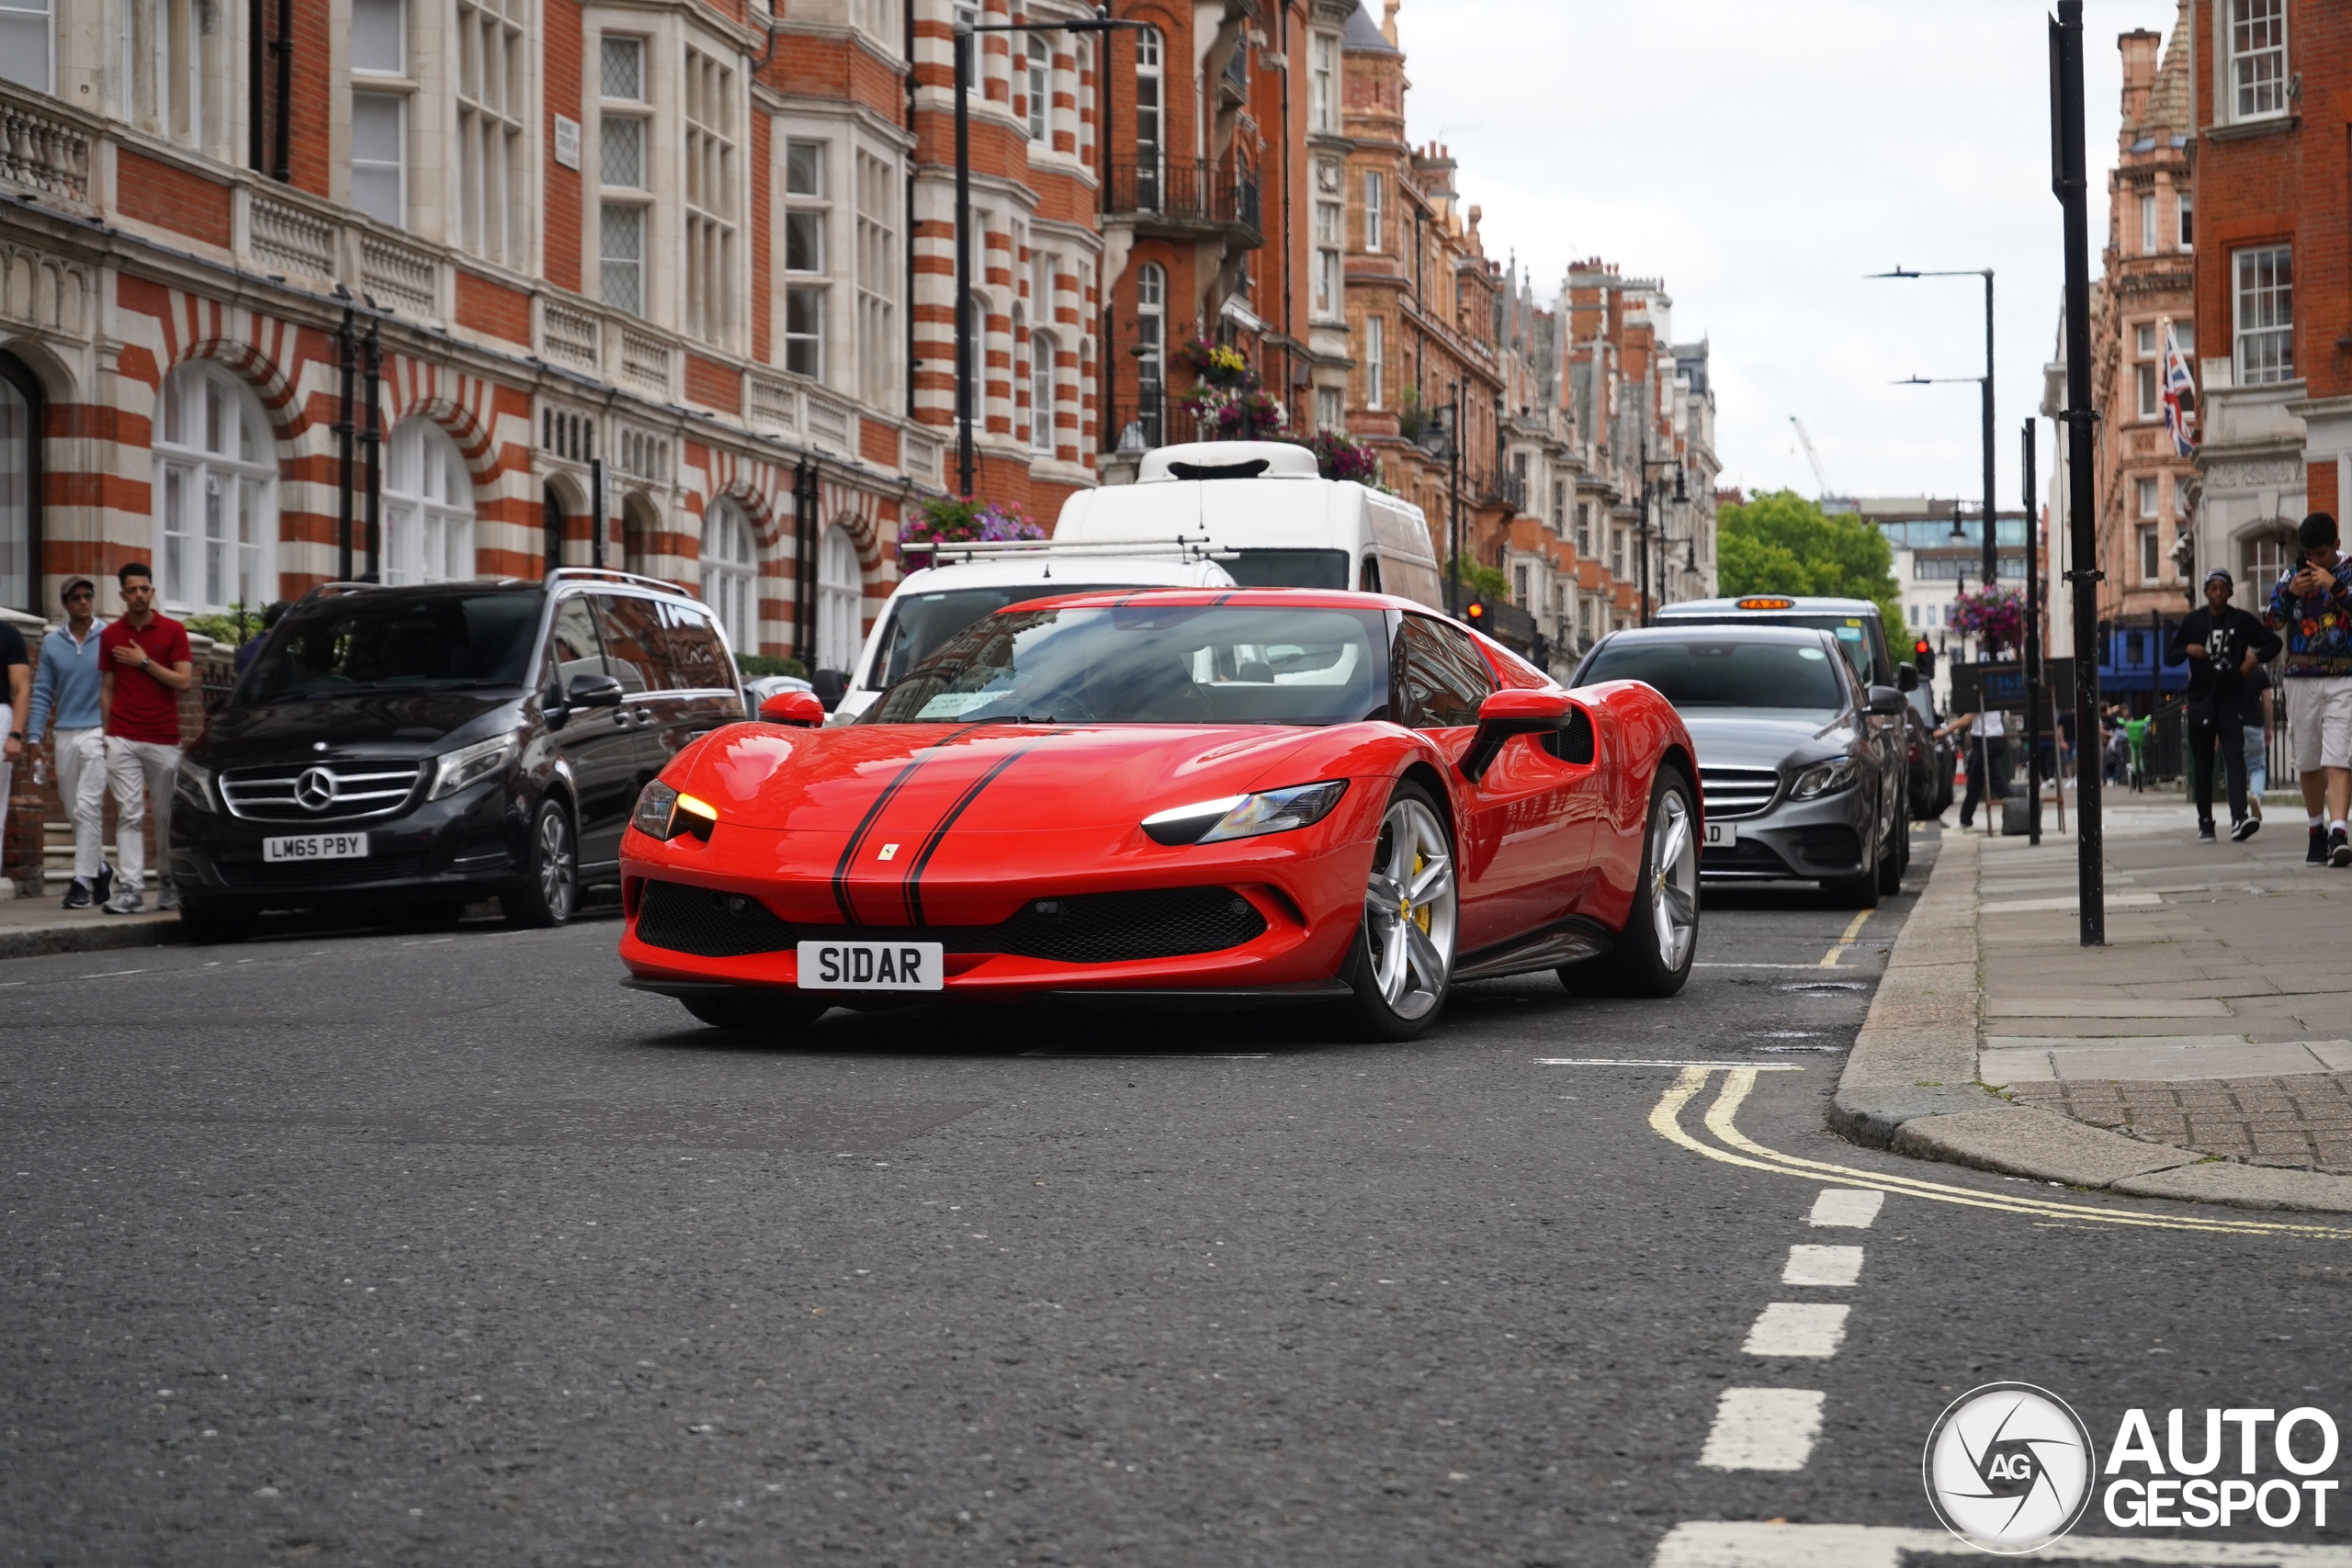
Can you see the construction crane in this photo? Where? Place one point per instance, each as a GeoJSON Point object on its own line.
{"type": "Point", "coordinates": [1820, 474]}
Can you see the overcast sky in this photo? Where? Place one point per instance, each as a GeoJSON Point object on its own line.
{"type": "Point", "coordinates": [1762, 158]}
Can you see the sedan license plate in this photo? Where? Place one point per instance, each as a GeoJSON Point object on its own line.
{"type": "Point", "coordinates": [316, 846]}
{"type": "Point", "coordinates": [872, 966]}
{"type": "Point", "coordinates": [1723, 835]}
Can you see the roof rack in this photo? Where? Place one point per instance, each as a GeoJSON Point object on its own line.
{"type": "Point", "coordinates": [334, 589]}
{"type": "Point", "coordinates": [1185, 547]}
{"type": "Point", "coordinates": [609, 574]}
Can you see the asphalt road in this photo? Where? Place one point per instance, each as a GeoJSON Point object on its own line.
{"type": "Point", "coordinates": [366, 1248]}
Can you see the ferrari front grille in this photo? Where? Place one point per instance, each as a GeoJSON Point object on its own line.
{"type": "Point", "coordinates": [707, 923]}
{"type": "Point", "coordinates": [1737, 792]}
{"type": "Point", "coordinates": [1094, 928]}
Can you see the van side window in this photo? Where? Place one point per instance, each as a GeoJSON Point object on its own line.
{"type": "Point", "coordinates": [633, 642]}
{"type": "Point", "coordinates": [572, 649]}
{"type": "Point", "coordinates": [1441, 676]}
{"type": "Point", "coordinates": [1369, 581]}
{"type": "Point", "coordinates": [696, 661]}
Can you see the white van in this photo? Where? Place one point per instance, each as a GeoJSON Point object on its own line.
{"type": "Point", "coordinates": [933, 603]}
{"type": "Point", "coordinates": [1270, 515]}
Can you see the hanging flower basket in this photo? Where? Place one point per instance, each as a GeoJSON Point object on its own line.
{"type": "Point", "coordinates": [945, 520]}
{"type": "Point", "coordinates": [1995, 615]}
{"type": "Point", "coordinates": [1341, 456]}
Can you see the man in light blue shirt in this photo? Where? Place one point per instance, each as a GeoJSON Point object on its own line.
{"type": "Point", "coordinates": [65, 692]}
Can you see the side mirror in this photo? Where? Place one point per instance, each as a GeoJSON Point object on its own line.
{"type": "Point", "coordinates": [1517, 712]}
{"type": "Point", "coordinates": [1907, 677]}
{"type": "Point", "coordinates": [1886, 701]}
{"type": "Point", "coordinates": [799, 708]}
{"type": "Point", "coordinates": [592, 692]}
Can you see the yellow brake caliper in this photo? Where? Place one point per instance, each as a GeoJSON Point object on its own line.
{"type": "Point", "coordinates": [1422, 918]}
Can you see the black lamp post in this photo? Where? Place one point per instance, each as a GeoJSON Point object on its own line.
{"type": "Point", "coordinates": [1992, 563]}
{"type": "Point", "coordinates": [1649, 492]}
{"type": "Point", "coordinates": [1103, 22]}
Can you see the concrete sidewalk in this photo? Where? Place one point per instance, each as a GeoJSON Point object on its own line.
{"type": "Point", "coordinates": [2204, 1053]}
{"type": "Point", "coordinates": [30, 926]}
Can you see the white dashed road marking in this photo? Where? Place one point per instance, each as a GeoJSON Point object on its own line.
{"type": "Point", "coordinates": [1762, 1428]}
{"type": "Point", "coordinates": [1823, 1265]}
{"type": "Point", "coordinates": [1851, 1206]}
{"type": "Point", "coordinates": [1811, 1329]}
{"type": "Point", "coordinates": [1716, 1544]}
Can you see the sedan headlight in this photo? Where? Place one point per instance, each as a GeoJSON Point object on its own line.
{"type": "Point", "coordinates": [453, 770]}
{"type": "Point", "coordinates": [1824, 778]}
{"type": "Point", "coordinates": [193, 785]}
{"type": "Point", "coordinates": [1245, 816]}
{"type": "Point", "coordinates": [663, 813]}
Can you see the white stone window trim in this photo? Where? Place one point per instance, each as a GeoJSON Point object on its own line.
{"type": "Point", "coordinates": [428, 507]}
{"type": "Point", "coordinates": [840, 600]}
{"type": "Point", "coordinates": [730, 572]}
{"type": "Point", "coordinates": [640, 198]}
{"type": "Point", "coordinates": [208, 473]}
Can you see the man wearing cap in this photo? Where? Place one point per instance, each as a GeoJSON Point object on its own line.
{"type": "Point", "coordinates": [2222, 645]}
{"type": "Point", "coordinates": [66, 694]}
{"type": "Point", "coordinates": [2312, 608]}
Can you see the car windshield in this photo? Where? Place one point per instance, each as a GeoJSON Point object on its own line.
{"type": "Point", "coordinates": [368, 642]}
{"type": "Point", "coordinates": [916, 624]}
{"type": "Point", "coordinates": [1728, 673]}
{"type": "Point", "coordinates": [1853, 635]}
{"type": "Point", "coordinates": [1287, 568]}
{"type": "Point", "coordinates": [1152, 664]}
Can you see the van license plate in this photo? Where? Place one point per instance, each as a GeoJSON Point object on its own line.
{"type": "Point", "coordinates": [1724, 835]}
{"type": "Point", "coordinates": [316, 846]}
{"type": "Point", "coordinates": [872, 966]}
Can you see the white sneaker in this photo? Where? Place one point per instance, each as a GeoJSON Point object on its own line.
{"type": "Point", "coordinates": [126, 902]}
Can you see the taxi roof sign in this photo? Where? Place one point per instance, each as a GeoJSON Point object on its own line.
{"type": "Point", "coordinates": [1766, 603]}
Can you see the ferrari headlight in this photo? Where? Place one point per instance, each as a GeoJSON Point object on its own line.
{"type": "Point", "coordinates": [453, 770]}
{"type": "Point", "coordinates": [1824, 778]}
{"type": "Point", "coordinates": [193, 785]}
{"type": "Point", "coordinates": [663, 813]}
{"type": "Point", "coordinates": [1245, 816]}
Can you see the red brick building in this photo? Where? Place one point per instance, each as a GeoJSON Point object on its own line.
{"type": "Point", "coordinates": [2273, 85]}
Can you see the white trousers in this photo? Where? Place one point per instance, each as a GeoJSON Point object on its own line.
{"type": "Point", "coordinates": [82, 782]}
{"type": "Point", "coordinates": [134, 767]}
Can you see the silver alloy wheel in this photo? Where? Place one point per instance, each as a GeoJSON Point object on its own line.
{"type": "Point", "coordinates": [1674, 879]}
{"type": "Point", "coordinates": [558, 876]}
{"type": "Point", "coordinates": [1408, 909]}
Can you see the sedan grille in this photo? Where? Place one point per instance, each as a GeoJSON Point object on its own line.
{"type": "Point", "coordinates": [1095, 928]}
{"type": "Point", "coordinates": [1738, 792]}
{"type": "Point", "coordinates": [320, 792]}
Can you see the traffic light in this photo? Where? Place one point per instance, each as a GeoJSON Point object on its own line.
{"type": "Point", "coordinates": [1474, 612]}
{"type": "Point", "coordinates": [1924, 656]}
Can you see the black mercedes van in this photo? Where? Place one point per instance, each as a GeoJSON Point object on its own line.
{"type": "Point", "coordinates": [413, 750]}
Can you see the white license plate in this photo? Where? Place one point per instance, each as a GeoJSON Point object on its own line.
{"type": "Point", "coordinates": [316, 846]}
{"type": "Point", "coordinates": [872, 966]}
{"type": "Point", "coordinates": [1725, 834]}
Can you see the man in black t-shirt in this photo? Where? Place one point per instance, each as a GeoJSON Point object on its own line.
{"type": "Point", "coordinates": [2222, 643]}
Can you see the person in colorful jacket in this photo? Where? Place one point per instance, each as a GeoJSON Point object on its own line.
{"type": "Point", "coordinates": [2312, 609]}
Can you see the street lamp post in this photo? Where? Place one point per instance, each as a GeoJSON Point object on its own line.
{"type": "Point", "coordinates": [1103, 22]}
{"type": "Point", "coordinates": [1649, 493]}
{"type": "Point", "coordinates": [1992, 559]}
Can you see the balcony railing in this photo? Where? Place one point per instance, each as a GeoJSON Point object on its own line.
{"type": "Point", "coordinates": [1176, 191]}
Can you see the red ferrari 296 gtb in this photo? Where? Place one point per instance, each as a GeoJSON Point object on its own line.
{"type": "Point", "coordinates": [1185, 794]}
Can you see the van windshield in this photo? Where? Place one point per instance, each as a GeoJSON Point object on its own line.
{"type": "Point", "coordinates": [1288, 569]}
{"type": "Point", "coordinates": [917, 623]}
{"type": "Point", "coordinates": [1729, 673]}
{"type": "Point", "coordinates": [402, 642]}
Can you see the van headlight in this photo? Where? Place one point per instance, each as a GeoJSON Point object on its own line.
{"type": "Point", "coordinates": [1245, 816]}
{"type": "Point", "coordinates": [453, 770]}
{"type": "Point", "coordinates": [193, 785]}
{"type": "Point", "coordinates": [1824, 778]}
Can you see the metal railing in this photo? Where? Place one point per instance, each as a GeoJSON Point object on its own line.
{"type": "Point", "coordinates": [1176, 190]}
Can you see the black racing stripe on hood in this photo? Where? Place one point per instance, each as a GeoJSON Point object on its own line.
{"type": "Point", "coordinates": [938, 834]}
{"type": "Point", "coordinates": [872, 813]}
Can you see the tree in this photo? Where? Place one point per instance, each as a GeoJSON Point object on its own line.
{"type": "Point", "coordinates": [1782, 543]}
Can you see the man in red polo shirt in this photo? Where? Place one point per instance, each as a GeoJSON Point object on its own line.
{"type": "Point", "coordinates": [144, 663]}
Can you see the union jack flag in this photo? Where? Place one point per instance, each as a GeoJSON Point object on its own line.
{"type": "Point", "coordinates": [2180, 389]}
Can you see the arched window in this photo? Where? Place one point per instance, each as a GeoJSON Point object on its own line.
{"type": "Point", "coordinates": [551, 527]}
{"type": "Point", "coordinates": [216, 494]}
{"type": "Point", "coordinates": [21, 403]}
{"type": "Point", "coordinates": [428, 507]}
{"type": "Point", "coordinates": [639, 521]}
{"type": "Point", "coordinates": [731, 574]}
{"type": "Point", "coordinates": [1041, 392]}
{"type": "Point", "coordinates": [841, 597]}
{"type": "Point", "coordinates": [1150, 135]}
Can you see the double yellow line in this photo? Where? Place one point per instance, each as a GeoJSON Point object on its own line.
{"type": "Point", "coordinates": [1737, 1148]}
